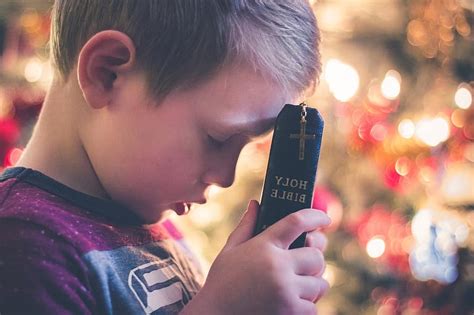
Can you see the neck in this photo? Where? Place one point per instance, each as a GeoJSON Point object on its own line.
{"type": "Point", "coordinates": [55, 147]}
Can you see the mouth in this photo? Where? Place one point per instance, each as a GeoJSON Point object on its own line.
{"type": "Point", "coordinates": [183, 208]}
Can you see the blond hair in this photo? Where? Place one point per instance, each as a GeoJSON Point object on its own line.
{"type": "Point", "coordinates": [181, 43]}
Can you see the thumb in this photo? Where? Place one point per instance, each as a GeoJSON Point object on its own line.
{"type": "Point", "coordinates": [244, 230]}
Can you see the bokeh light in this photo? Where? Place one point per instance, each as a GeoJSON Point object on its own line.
{"type": "Point", "coordinates": [406, 128]}
{"type": "Point", "coordinates": [13, 156]}
{"type": "Point", "coordinates": [463, 97]}
{"type": "Point", "coordinates": [403, 165]}
{"type": "Point", "coordinates": [329, 274]}
{"type": "Point", "coordinates": [432, 132]}
{"type": "Point", "coordinates": [375, 247]}
{"type": "Point", "coordinates": [391, 85]}
{"type": "Point", "coordinates": [343, 79]}
{"type": "Point", "coordinates": [33, 70]}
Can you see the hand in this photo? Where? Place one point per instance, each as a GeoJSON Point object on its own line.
{"type": "Point", "coordinates": [316, 239]}
{"type": "Point", "coordinates": [260, 275]}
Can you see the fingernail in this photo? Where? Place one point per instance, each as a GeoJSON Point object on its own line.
{"type": "Point", "coordinates": [254, 202]}
{"type": "Point", "coordinates": [327, 219]}
{"type": "Point", "coordinates": [323, 211]}
{"type": "Point", "coordinates": [320, 210]}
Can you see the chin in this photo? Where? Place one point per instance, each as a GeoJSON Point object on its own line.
{"type": "Point", "coordinates": [161, 212]}
{"type": "Point", "coordinates": [154, 216]}
{"type": "Point", "coordinates": [154, 219]}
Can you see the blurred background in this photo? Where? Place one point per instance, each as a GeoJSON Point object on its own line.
{"type": "Point", "coordinates": [396, 172]}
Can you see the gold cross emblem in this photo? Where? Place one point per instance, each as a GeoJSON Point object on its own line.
{"type": "Point", "coordinates": [303, 137]}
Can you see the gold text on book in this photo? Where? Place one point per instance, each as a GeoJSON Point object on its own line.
{"type": "Point", "coordinates": [290, 183]}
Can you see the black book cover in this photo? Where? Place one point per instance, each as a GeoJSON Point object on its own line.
{"type": "Point", "coordinates": [292, 165]}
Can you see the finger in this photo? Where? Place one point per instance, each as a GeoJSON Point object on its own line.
{"type": "Point", "coordinates": [316, 239]}
{"type": "Point", "coordinates": [324, 289]}
{"type": "Point", "coordinates": [285, 231]}
{"type": "Point", "coordinates": [312, 288]}
{"type": "Point", "coordinates": [307, 261]}
{"type": "Point", "coordinates": [305, 307]}
{"type": "Point", "coordinates": [244, 229]}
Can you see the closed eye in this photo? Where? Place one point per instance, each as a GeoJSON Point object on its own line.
{"type": "Point", "coordinates": [215, 143]}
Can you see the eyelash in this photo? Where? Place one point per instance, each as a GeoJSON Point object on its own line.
{"type": "Point", "coordinates": [216, 143]}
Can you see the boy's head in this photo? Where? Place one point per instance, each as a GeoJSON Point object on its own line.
{"type": "Point", "coordinates": [207, 68]}
{"type": "Point", "coordinates": [183, 42]}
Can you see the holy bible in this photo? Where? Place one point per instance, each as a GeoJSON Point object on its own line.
{"type": "Point", "coordinates": [292, 165]}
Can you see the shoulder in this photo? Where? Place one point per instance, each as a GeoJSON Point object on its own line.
{"type": "Point", "coordinates": [39, 266]}
{"type": "Point", "coordinates": [24, 201]}
{"type": "Point", "coordinates": [32, 210]}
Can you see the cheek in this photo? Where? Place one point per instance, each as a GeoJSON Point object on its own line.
{"type": "Point", "coordinates": [176, 165]}
{"type": "Point", "coordinates": [147, 160]}
{"type": "Point", "coordinates": [157, 174]}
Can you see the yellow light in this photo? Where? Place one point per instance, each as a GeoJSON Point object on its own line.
{"type": "Point", "coordinates": [375, 247]}
{"type": "Point", "coordinates": [457, 184]}
{"type": "Point", "coordinates": [33, 70]}
{"type": "Point", "coordinates": [441, 125]}
{"type": "Point", "coordinates": [469, 152]}
{"type": "Point", "coordinates": [432, 131]}
{"type": "Point", "coordinates": [329, 274]}
{"type": "Point", "coordinates": [6, 106]}
{"type": "Point", "coordinates": [457, 118]}
{"type": "Point", "coordinates": [31, 21]}
{"type": "Point", "coordinates": [14, 155]}
{"type": "Point", "coordinates": [463, 97]}
{"type": "Point", "coordinates": [402, 166]}
{"type": "Point", "coordinates": [423, 131]}
{"type": "Point", "coordinates": [343, 79]}
{"type": "Point", "coordinates": [391, 85]}
{"type": "Point", "coordinates": [406, 128]}
{"type": "Point", "coordinates": [417, 33]}
{"type": "Point", "coordinates": [47, 75]}
{"type": "Point", "coordinates": [426, 174]}
{"type": "Point", "coordinates": [407, 244]}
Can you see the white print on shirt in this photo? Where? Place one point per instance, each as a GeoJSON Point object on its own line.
{"type": "Point", "coordinates": [157, 284]}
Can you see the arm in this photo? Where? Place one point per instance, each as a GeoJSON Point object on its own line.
{"type": "Point", "coordinates": [40, 272]}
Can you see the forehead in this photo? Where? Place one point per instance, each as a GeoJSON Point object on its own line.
{"type": "Point", "coordinates": [240, 100]}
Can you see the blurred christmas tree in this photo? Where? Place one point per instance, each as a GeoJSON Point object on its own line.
{"type": "Point", "coordinates": [397, 164]}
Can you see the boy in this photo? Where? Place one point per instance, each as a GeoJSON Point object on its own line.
{"type": "Point", "coordinates": [151, 103]}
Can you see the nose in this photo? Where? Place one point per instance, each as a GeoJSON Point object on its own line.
{"type": "Point", "coordinates": [221, 170]}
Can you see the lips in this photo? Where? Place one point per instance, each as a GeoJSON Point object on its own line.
{"type": "Point", "coordinates": [182, 207]}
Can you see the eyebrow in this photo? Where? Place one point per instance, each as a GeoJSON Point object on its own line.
{"type": "Point", "coordinates": [261, 129]}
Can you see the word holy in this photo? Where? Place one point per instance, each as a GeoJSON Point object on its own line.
{"type": "Point", "coordinates": [291, 183]}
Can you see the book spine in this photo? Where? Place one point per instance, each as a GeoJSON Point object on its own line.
{"type": "Point", "coordinates": [289, 180]}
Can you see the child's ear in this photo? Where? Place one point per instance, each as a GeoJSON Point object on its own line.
{"type": "Point", "coordinates": [102, 61]}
